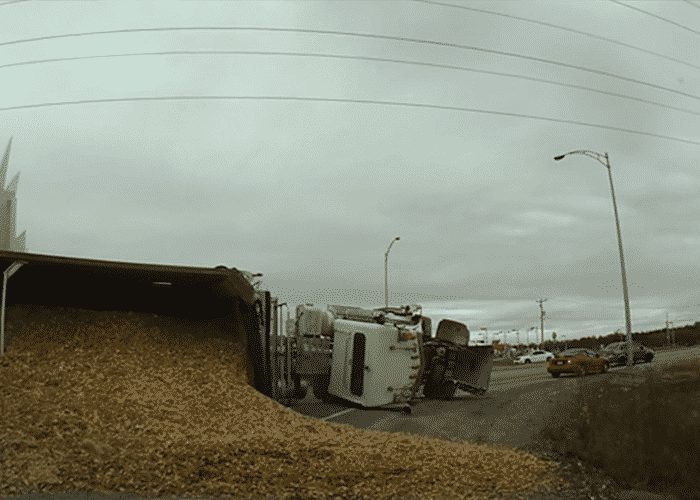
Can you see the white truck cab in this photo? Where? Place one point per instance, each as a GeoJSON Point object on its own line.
{"type": "Point", "coordinates": [373, 364]}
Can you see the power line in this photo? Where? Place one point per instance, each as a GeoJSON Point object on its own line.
{"type": "Point", "coordinates": [691, 3]}
{"type": "Point", "coordinates": [657, 17]}
{"type": "Point", "coordinates": [344, 100]}
{"type": "Point", "coordinates": [349, 57]}
{"type": "Point", "coordinates": [562, 28]}
{"type": "Point", "coordinates": [12, 1]}
{"type": "Point", "coordinates": [355, 34]}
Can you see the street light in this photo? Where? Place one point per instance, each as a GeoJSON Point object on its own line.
{"type": "Point", "coordinates": [605, 161]}
{"type": "Point", "coordinates": [386, 271]}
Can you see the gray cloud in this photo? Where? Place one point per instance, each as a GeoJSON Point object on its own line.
{"type": "Point", "coordinates": [311, 193]}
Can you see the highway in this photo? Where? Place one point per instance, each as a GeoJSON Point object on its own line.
{"type": "Point", "coordinates": [519, 400]}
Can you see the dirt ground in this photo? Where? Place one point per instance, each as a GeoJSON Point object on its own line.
{"type": "Point", "coordinates": [521, 405]}
{"type": "Point", "coordinates": [514, 418]}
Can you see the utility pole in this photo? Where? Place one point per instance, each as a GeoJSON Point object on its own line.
{"type": "Point", "coordinates": [542, 316]}
{"type": "Point", "coordinates": [673, 334]}
{"type": "Point", "coordinates": [668, 334]}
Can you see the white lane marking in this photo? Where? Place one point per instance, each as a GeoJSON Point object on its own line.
{"type": "Point", "coordinates": [343, 412]}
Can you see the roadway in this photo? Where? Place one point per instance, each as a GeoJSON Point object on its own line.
{"type": "Point", "coordinates": [519, 401]}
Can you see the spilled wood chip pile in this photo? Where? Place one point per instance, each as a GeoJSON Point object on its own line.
{"type": "Point", "coordinates": [156, 406]}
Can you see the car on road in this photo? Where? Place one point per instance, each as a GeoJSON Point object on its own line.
{"type": "Point", "coordinates": [616, 353]}
{"type": "Point", "coordinates": [577, 361]}
{"type": "Point", "coordinates": [537, 356]}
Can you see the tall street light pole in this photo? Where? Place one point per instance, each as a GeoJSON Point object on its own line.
{"type": "Point", "coordinates": [386, 271]}
{"type": "Point", "coordinates": [605, 161]}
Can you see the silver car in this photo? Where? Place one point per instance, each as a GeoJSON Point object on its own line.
{"type": "Point", "coordinates": [616, 353]}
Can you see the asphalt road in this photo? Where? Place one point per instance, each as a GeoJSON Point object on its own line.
{"type": "Point", "coordinates": [513, 411]}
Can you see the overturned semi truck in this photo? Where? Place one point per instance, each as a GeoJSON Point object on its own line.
{"type": "Point", "coordinates": [384, 357]}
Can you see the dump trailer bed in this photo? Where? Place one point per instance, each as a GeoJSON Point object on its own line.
{"type": "Point", "coordinates": [179, 291]}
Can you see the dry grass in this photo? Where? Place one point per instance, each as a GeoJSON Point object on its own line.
{"type": "Point", "coordinates": [130, 402]}
{"type": "Point", "coordinates": [688, 369]}
{"type": "Point", "coordinates": [644, 433]}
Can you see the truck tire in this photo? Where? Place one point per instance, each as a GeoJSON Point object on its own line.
{"type": "Point", "coordinates": [436, 387]}
{"type": "Point", "coordinates": [447, 389]}
{"type": "Point", "coordinates": [527, 361]}
{"type": "Point", "coordinates": [320, 385]}
{"type": "Point", "coordinates": [300, 390]}
{"type": "Point", "coordinates": [555, 375]}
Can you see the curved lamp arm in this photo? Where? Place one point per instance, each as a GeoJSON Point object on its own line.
{"type": "Point", "coordinates": [601, 158]}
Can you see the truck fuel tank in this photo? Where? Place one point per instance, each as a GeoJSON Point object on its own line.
{"type": "Point", "coordinates": [314, 322]}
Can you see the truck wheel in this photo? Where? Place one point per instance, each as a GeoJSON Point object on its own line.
{"type": "Point", "coordinates": [436, 387]}
{"type": "Point", "coordinates": [300, 392]}
{"type": "Point", "coordinates": [527, 361]}
{"type": "Point", "coordinates": [320, 386]}
{"type": "Point", "coordinates": [300, 388]}
{"type": "Point", "coordinates": [648, 358]}
{"type": "Point", "coordinates": [447, 389]}
{"type": "Point", "coordinates": [555, 375]}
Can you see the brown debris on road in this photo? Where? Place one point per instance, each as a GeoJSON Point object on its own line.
{"type": "Point", "coordinates": [108, 401]}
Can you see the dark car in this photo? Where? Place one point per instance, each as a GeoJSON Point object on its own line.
{"type": "Point", "coordinates": [616, 353]}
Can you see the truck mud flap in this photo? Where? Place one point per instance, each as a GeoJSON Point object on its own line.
{"type": "Point", "coordinates": [472, 368]}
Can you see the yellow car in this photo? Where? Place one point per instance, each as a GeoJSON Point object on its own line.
{"type": "Point", "coordinates": [578, 362]}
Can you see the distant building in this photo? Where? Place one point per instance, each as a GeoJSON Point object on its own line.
{"type": "Point", "coordinates": [8, 209]}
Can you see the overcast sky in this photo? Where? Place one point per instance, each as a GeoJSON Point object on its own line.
{"type": "Point", "coordinates": [310, 193]}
